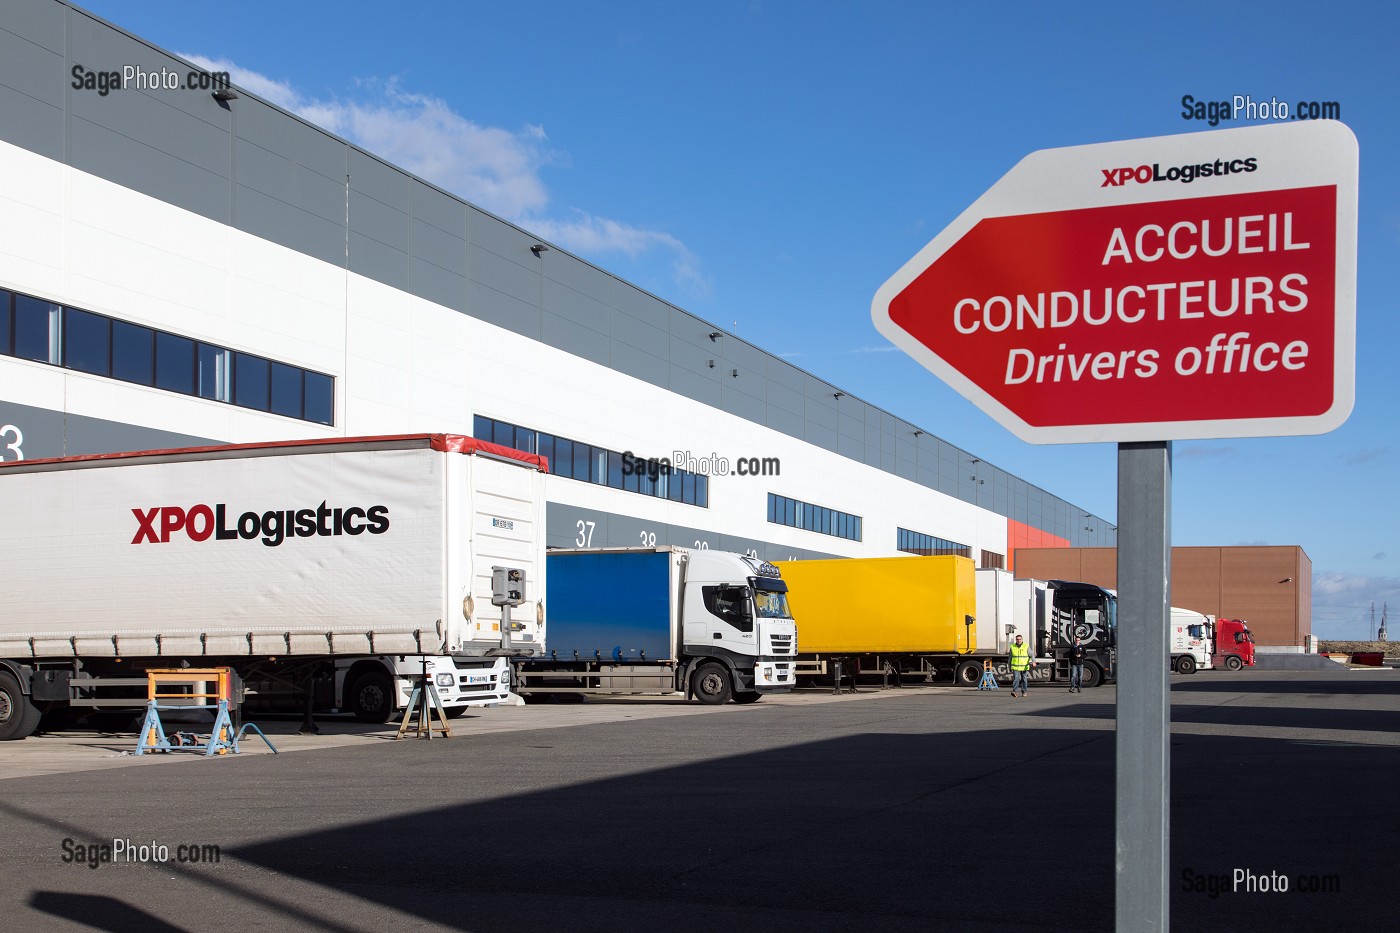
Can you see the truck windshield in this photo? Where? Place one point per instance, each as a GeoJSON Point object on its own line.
{"type": "Point", "coordinates": [771, 605]}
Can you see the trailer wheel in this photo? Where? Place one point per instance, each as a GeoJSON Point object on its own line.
{"type": "Point", "coordinates": [1233, 663]}
{"type": "Point", "coordinates": [1186, 664]}
{"type": "Point", "coordinates": [372, 697]}
{"type": "Point", "coordinates": [1093, 675]}
{"type": "Point", "coordinates": [711, 684]}
{"type": "Point", "coordinates": [968, 673]}
{"type": "Point", "coordinates": [753, 697]}
{"type": "Point", "coordinates": [18, 717]}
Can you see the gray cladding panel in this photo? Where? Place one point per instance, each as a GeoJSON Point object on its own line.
{"type": "Point", "coordinates": [433, 245]}
{"type": "Point", "coordinates": [782, 420]}
{"type": "Point", "coordinates": [576, 306]}
{"type": "Point", "coordinates": [437, 285]}
{"type": "Point", "coordinates": [745, 356]}
{"type": "Point", "coordinates": [640, 364]}
{"type": "Point", "coordinates": [54, 434]}
{"type": "Point", "coordinates": [639, 334]}
{"type": "Point", "coordinates": [785, 374]}
{"type": "Point", "coordinates": [39, 21]}
{"type": "Point", "coordinates": [262, 126]}
{"type": "Point", "coordinates": [631, 300]}
{"type": "Point", "coordinates": [372, 177]}
{"type": "Point", "coordinates": [291, 182]}
{"type": "Point", "coordinates": [33, 70]}
{"type": "Point", "coordinates": [819, 415]}
{"type": "Point", "coordinates": [577, 276]}
{"type": "Point", "coordinates": [697, 333]}
{"type": "Point", "coordinates": [503, 310]}
{"type": "Point", "coordinates": [118, 158]}
{"type": "Point", "coordinates": [780, 396]}
{"type": "Point", "coordinates": [148, 121]}
{"type": "Point", "coordinates": [372, 218]}
{"type": "Point", "coordinates": [820, 435]}
{"type": "Point", "coordinates": [694, 358]}
{"type": "Point", "coordinates": [851, 420]}
{"type": "Point", "coordinates": [572, 337]}
{"type": "Point", "coordinates": [101, 49]}
{"type": "Point", "coordinates": [431, 206]}
{"type": "Point", "coordinates": [741, 404]}
{"type": "Point", "coordinates": [692, 385]}
{"type": "Point", "coordinates": [32, 124]}
{"type": "Point", "coordinates": [374, 260]}
{"type": "Point", "coordinates": [502, 275]}
{"type": "Point", "coordinates": [280, 222]}
{"type": "Point", "coordinates": [850, 447]}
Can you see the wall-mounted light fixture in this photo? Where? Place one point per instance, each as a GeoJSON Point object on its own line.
{"type": "Point", "coordinates": [539, 248]}
{"type": "Point", "coordinates": [712, 364]}
{"type": "Point", "coordinates": [714, 335]}
{"type": "Point", "coordinates": [734, 373]}
{"type": "Point", "coordinates": [838, 395]}
{"type": "Point", "coordinates": [1286, 580]}
{"type": "Point", "coordinates": [225, 94]}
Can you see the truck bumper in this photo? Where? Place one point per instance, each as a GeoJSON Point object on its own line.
{"type": "Point", "coordinates": [460, 681]}
{"type": "Point", "coordinates": [773, 676]}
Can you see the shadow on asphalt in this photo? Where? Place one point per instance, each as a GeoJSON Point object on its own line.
{"type": "Point", "coordinates": [872, 832]}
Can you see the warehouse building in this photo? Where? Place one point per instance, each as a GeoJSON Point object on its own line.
{"type": "Point", "coordinates": [1268, 586]}
{"type": "Point", "coordinates": [190, 265]}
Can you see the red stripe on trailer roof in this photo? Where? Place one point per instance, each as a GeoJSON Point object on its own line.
{"type": "Point", "coordinates": [449, 443]}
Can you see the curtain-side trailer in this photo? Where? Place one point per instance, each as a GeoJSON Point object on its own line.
{"type": "Point", "coordinates": [326, 573]}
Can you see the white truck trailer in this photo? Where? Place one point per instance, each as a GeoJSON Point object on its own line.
{"type": "Point", "coordinates": [326, 573]}
{"type": "Point", "coordinates": [1192, 639]}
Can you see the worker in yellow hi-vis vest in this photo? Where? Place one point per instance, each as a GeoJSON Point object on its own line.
{"type": "Point", "coordinates": [1020, 666]}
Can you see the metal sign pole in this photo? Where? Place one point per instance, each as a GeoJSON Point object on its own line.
{"type": "Point", "coordinates": [1144, 709]}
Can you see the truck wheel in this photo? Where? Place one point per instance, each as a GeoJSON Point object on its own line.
{"type": "Point", "coordinates": [371, 697]}
{"type": "Point", "coordinates": [748, 697]}
{"type": "Point", "coordinates": [1186, 664]}
{"type": "Point", "coordinates": [968, 673]}
{"type": "Point", "coordinates": [711, 684]}
{"type": "Point", "coordinates": [1233, 663]}
{"type": "Point", "coordinates": [1092, 675]}
{"type": "Point", "coordinates": [18, 717]}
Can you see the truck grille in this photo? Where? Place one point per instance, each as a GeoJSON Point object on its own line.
{"type": "Point", "coordinates": [782, 644]}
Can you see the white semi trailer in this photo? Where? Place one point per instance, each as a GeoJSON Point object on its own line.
{"type": "Point", "coordinates": [326, 573]}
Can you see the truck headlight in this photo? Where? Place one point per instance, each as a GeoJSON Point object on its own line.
{"type": "Point", "coordinates": [505, 678]}
{"type": "Point", "coordinates": [446, 680]}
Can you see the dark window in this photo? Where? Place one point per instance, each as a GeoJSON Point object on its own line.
{"type": "Point", "coordinates": [286, 390]}
{"type": "Point", "coordinates": [250, 379]}
{"type": "Point", "coordinates": [133, 353]}
{"type": "Point", "coordinates": [174, 363]}
{"type": "Point", "coordinates": [524, 440]}
{"type": "Point", "coordinates": [582, 454]}
{"type": "Point", "coordinates": [702, 491]}
{"type": "Point", "coordinates": [5, 301]}
{"type": "Point", "coordinates": [87, 342]}
{"type": "Point", "coordinates": [32, 328]}
{"type": "Point", "coordinates": [319, 403]}
{"type": "Point", "coordinates": [730, 603]}
{"type": "Point", "coordinates": [598, 466]}
{"type": "Point", "coordinates": [564, 453]}
{"type": "Point", "coordinates": [544, 446]}
{"type": "Point", "coordinates": [631, 477]}
{"type": "Point", "coordinates": [481, 428]}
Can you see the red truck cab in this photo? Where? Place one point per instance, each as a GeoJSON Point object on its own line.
{"type": "Point", "coordinates": [1234, 644]}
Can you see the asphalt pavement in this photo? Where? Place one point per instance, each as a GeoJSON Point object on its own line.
{"type": "Point", "coordinates": [917, 809]}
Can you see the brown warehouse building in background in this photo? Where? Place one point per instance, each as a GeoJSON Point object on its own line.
{"type": "Point", "coordinates": [1270, 587]}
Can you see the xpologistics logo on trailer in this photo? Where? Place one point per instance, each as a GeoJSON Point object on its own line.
{"type": "Point", "coordinates": [126, 852]}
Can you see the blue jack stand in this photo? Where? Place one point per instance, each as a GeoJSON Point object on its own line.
{"type": "Point", "coordinates": [222, 739]}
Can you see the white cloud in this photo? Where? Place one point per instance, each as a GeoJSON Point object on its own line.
{"type": "Point", "coordinates": [495, 168]}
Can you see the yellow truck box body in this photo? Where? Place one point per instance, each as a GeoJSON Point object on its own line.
{"type": "Point", "coordinates": [883, 604]}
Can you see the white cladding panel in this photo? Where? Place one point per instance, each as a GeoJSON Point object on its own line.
{"type": "Point", "coordinates": [79, 562]}
{"type": "Point", "coordinates": [402, 364]}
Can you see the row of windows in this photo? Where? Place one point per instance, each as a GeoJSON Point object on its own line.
{"type": "Point", "coordinates": [591, 464]}
{"type": "Point", "coordinates": [795, 514]}
{"type": "Point", "coordinates": [916, 542]}
{"type": "Point", "coordinates": [35, 329]}
{"type": "Point", "coordinates": [994, 560]}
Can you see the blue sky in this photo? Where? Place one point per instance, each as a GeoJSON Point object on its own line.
{"type": "Point", "coordinates": [767, 165]}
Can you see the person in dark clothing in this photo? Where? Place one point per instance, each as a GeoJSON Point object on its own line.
{"type": "Point", "coordinates": [1076, 666]}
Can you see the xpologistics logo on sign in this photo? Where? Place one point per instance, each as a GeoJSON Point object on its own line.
{"type": "Point", "coordinates": [134, 76]}
{"type": "Point", "coordinates": [1146, 174]}
{"type": "Point", "coordinates": [201, 522]}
